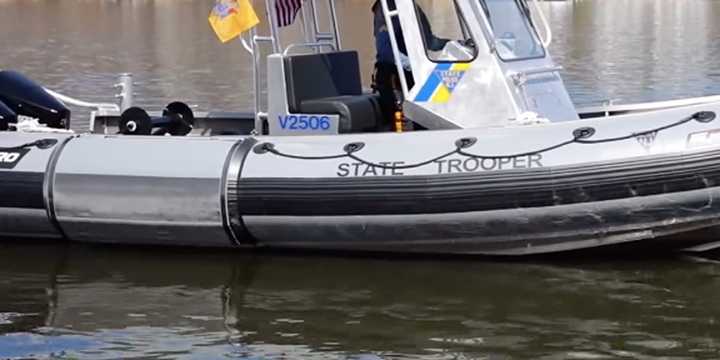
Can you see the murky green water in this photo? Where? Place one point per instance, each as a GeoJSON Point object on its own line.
{"type": "Point", "coordinates": [63, 301]}
{"type": "Point", "coordinates": [109, 303]}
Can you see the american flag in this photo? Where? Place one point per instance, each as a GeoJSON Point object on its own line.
{"type": "Point", "coordinates": [286, 11]}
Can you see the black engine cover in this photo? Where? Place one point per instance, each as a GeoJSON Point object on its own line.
{"type": "Point", "coordinates": [24, 97]}
{"type": "Point", "coordinates": [7, 116]}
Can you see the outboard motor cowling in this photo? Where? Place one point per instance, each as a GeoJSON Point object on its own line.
{"type": "Point", "coordinates": [7, 116]}
{"type": "Point", "coordinates": [25, 97]}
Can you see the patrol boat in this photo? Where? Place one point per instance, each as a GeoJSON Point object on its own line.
{"type": "Point", "coordinates": [502, 162]}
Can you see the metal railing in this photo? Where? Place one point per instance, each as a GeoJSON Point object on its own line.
{"type": "Point", "coordinates": [548, 31]}
{"type": "Point", "coordinates": [259, 114]}
{"type": "Point", "coordinates": [519, 78]}
{"type": "Point", "coordinates": [102, 108]}
{"type": "Point", "coordinates": [316, 45]}
{"type": "Point", "coordinates": [126, 98]}
{"type": "Point", "coordinates": [389, 15]}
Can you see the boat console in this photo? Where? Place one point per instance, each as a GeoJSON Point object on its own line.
{"type": "Point", "coordinates": [480, 64]}
{"type": "Point", "coordinates": [323, 94]}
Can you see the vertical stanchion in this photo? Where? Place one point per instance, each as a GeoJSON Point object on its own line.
{"type": "Point", "coordinates": [126, 91]}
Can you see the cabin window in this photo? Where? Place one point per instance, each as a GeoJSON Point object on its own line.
{"type": "Point", "coordinates": [515, 38]}
{"type": "Point", "coordinates": [444, 31]}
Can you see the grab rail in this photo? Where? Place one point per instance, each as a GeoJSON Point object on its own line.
{"type": "Point", "coordinates": [245, 45]}
{"type": "Point", "coordinates": [546, 25]}
{"type": "Point", "coordinates": [520, 77]}
{"type": "Point", "coordinates": [102, 108]}
{"type": "Point", "coordinates": [259, 115]}
{"type": "Point", "coordinates": [389, 15]}
{"type": "Point", "coordinates": [308, 45]}
{"type": "Point", "coordinates": [607, 106]}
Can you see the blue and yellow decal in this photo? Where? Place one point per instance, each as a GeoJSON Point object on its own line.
{"type": "Point", "coordinates": [442, 82]}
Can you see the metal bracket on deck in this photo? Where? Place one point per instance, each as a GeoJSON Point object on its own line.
{"type": "Point", "coordinates": [126, 91]}
{"type": "Point", "coordinates": [519, 78]}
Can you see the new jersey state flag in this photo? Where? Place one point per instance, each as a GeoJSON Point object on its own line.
{"type": "Point", "coordinates": [230, 18]}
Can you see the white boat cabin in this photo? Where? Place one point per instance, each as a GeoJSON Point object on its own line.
{"type": "Point", "coordinates": [493, 69]}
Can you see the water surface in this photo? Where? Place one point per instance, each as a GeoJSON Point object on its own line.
{"type": "Point", "coordinates": [620, 50]}
{"type": "Point", "coordinates": [108, 303]}
{"type": "Point", "coordinates": [71, 301]}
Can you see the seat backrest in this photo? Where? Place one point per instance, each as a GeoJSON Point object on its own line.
{"type": "Point", "coordinates": [324, 75]}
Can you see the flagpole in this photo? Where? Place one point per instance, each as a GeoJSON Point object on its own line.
{"type": "Point", "coordinates": [256, 80]}
{"type": "Point", "coordinates": [272, 19]}
{"type": "Point", "coordinates": [336, 29]}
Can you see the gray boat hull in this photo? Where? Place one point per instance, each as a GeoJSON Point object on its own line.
{"type": "Point", "coordinates": [504, 232]}
{"type": "Point", "coordinates": [240, 192]}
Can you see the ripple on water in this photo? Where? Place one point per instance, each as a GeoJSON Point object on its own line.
{"type": "Point", "coordinates": [655, 344]}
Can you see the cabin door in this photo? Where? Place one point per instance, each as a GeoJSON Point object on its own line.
{"type": "Point", "coordinates": [457, 80]}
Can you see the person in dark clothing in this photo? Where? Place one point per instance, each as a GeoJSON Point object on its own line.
{"type": "Point", "coordinates": [386, 81]}
{"type": "Point", "coordinates": [385, 77]}
{"type": "Point", "coordinates": [382, 35]}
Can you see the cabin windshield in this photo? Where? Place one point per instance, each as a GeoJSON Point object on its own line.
{"type": "Point", "coordinates": [515, 38]}
{"type": "Point", "coordinates": [444, 31]}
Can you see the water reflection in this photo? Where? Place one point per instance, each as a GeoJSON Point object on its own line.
{"type": "Point", "coordinates": [636, 50]}
{"type": "Point", "coordinates": [112, 303]}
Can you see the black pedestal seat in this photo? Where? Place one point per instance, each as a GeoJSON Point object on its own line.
{"type": "Point", "coordinates": [329, 83]}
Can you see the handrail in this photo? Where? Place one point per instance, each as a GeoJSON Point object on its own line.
{"type": "Point", "coordinates": [486, 28]}
{"type": "Point", "coordinates": [272, 19]}
{"type": "Point", "coordinates": [308, 45]}
{"type": "Point", "coordinates": [546, 25]}
{"type": "Point", "coordinates": [245, 45]}
{"type": "Point", "coordinates": [256, 39]}
{"type": "Point", "coordinates": [520, 77]}
{"type": "Point", "coordinates": [75, 102]}
{"type": "Point", "coordinates": [389, 15]}
{"type": "Point", "coordinates": [315, 24]}
{"type": "Point", "coordinates": [336, 28]}
{"type": "Point", "coordinates": [608, 106]}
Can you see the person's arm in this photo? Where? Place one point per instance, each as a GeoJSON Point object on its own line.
{"type": "Point", "coordinates": [384, 48]}
{"type": "Point", "coordinates": [385, 53]}
{"type": "Point", "coordinates": [432, 42]}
